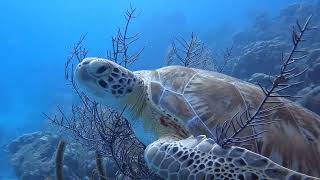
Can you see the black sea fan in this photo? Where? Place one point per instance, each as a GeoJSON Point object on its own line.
{"type": "Point", "coordinates": [229, 132]}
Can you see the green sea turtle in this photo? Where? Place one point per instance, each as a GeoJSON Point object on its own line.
{"type": "Point", "coordinates": [181, 106]}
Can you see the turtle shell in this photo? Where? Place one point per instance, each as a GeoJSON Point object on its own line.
{"type": "Point", "coordinates": [202, 99]}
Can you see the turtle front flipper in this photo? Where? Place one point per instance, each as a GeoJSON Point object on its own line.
{"type": "Point", "coordinates": [201, 158]}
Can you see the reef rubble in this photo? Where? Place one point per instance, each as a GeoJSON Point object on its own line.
{"type": "Point", "coordinates": [32, 157]}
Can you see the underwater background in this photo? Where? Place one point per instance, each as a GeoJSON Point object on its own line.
{"type": "Point", "coordinates": [36, 37]}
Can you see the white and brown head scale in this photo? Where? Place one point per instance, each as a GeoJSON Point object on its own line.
{"type": "Point", "coordinates": [105, 78]}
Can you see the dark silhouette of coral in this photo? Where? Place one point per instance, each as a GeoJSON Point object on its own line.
{"type": "Point", "coordinates": [257, 45]}
{"type": "Point", "coordinates": [280, 83]}
{"type": "Point", "coordinates": [121, 42]}
{"type": "Point", "coordinates": [311, 98]}
{"type": "Point", "coordinates": [59, 159]}
{"type": "Point", "coordinates": [101, 128]}
{"type": "Point", "coordinates": [194, 53]}
{"type": "Point", "coordinates": [100, 168]}
{"type": "Point", "coordinates": [190, 53]}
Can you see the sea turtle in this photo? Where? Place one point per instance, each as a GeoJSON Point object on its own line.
{"type": "Point", "coordinates": [181, 106]}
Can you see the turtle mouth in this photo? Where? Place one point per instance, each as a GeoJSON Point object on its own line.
{"type": "Point", "coordinates": [81, 74]}
{"type": "Point", "coordinates": [88, 81]}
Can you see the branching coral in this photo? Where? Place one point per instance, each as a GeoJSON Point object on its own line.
{"type": "Point", "coordinates": [99, 165]}
{"type": "Point", "coordinates": [280, 83]}
{"type": "Point", "coordinates": [122, 41]}
{"type": "Point", "coordinates": [59, 159]}
{"type": "Point", "coordinates": [98, 127]}
{"type": "Point", "coordinates": [190, 53]}
{"type": "Point", "coordinates": [226, 58]}
{"type": "Point", "coordinates": [107, 131]}
{"type": "Point", "coordinates": [196, 54]}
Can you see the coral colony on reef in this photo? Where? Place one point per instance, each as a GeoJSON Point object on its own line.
{"type": "Point", "coordinates": [277, 65]}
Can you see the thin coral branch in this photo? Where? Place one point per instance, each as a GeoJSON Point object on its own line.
{"type": "Point", "coordinates": [122, 41]}
{"type": "Point", "coordinates": [59, 159]}
{"type": "Point", "coordinates": [98, 127]}
{"type": "Point", "coordinates": [227, 54]}
{"type": "Point", "coordinates": [190, 53]}
{"type": "Point", "coordinates": [195, 54]}
{"type": "Point", "coordinates": [99, 166]}
{"type": "Point", "coordinates": [78, 52]}
{"type": "Point", "coordinates": [280, 83]}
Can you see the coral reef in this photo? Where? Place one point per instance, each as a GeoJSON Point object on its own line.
{"type": "Point", "coordinates": [267, 39]}
{"type": "Point", "coordinates": [263, 79]}
{"type": "Point", "coordinates": [100, 127]}
{"type": "Point", "coordinates": [190, 53]}
{"type": "Point", "coordinates": [33, 158]}
{"type": "Point", "coordinates": [264, 42]}
{"type": "Point", "coordinates": [33, 155]}
{"type": "Point", "coordinates": [59, 159]}
{"type": "Point", "coordinates": [100, 168]}
{"type": "Point", "coordinates": [313, 74]}
{"type": "Point", "coordinates": [311, 98]}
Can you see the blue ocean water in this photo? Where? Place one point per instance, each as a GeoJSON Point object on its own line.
{"type": "Point", "coordinates": [36, 37]}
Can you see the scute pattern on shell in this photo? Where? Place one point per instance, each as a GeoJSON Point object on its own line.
{"type": "Point", "coordinates": [175, 80]}
{"type": "Point", "coordinates": [171, 101]}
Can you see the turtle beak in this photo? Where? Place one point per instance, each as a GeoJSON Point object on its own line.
{"type": "Point", "coordinates": [85, 78]}
{"type": "Point", "coordinates": [81, 73]}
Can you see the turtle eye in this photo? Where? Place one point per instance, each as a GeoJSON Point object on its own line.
{"type": "Point", "coordinates": [101, 69]}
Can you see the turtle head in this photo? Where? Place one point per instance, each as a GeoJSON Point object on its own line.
{"type": "Point", "coordinates": [104, 80]}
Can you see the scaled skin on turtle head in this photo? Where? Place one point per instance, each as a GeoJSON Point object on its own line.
{"type": "Point", "coordinates": [105, 81]}
{"type": "Point", "coordinates": [113, 85]}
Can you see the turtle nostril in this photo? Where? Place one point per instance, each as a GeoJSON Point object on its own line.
{"type": "Point", "coordinates": [85, 62]}
{"type": "Point", "coordinates": [101, 69]}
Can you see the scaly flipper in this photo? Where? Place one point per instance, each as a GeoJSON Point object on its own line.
{"type": "Point", "coordinates": [201, 158]}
